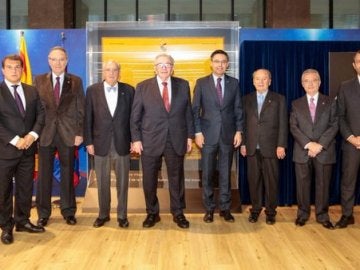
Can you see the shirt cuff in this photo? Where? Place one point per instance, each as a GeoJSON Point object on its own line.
{"type": "Point", "coordinates": [15, 140]}
{"type": "Point", "coordinates": [34, 134]}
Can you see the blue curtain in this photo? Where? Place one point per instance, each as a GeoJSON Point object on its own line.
{"type": "Point", "coordinates": [286, 61]}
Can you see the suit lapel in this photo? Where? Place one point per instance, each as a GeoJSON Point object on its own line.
{"type": "Point", "coordinates": [9, 97]}
{"type": "Point", "coordinates": [213, 90]}
{"type": "Point", "coordinates": [48, 88]}
{"type": "Point", "coordinates": [66, 88]}
{"type": "Point", "coordinates": [320, 106]}
{"type": "Point", "coordinates": [102, 98]}
{"type": "Point", "coordinates": [304, 107]}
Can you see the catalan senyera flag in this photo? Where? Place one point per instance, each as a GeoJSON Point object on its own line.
{"type": "Point", "coordinates": [26, 76]}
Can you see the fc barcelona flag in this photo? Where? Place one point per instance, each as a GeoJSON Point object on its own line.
{"type": "Point", "coordinates": [26, 76]}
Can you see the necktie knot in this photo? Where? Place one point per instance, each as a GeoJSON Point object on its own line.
{"type": "Point", "coordinates": [14, 86]}
{"type": "Point", "coordinates": [164, 84]}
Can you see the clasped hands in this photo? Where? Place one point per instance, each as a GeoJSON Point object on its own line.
{"type": "Point", "coordinates": [26, 142]}
{"type": "Point", "coordinates": [314, 149]}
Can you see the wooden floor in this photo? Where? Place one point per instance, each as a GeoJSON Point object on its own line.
{"type": "Point", "coordinates": [219, 245]}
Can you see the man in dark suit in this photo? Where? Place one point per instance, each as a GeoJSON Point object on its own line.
{"type": "Point", "coordinates": [162, 125]}
{"type": "Point", "coordinates": [313, 124]}
{"type": "Point", "coordinates": [349, 120]}
{"type": "Point", "coordinates": [218, 121]}
{"type": "Point", "coordinates": [264, 143]}
{"type": "Point", "coordinates": [107, 138]}
{"type": "Point", "coordinates": [21, 121]}
{"type": "Point", "coordinates": [63, 97]}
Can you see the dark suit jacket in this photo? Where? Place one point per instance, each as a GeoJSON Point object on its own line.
{"type": "Point", "coordinates": [349, 110]}
{"type": "Point", "coordinates": [211, 118]}
{"type": "Point", "coordinates": [100, 126]}
{"type": "Point", "coordinates": [323, 131]}
{"type": "Point", "coordinates": [67, 119]}
{"type": "Point", "coordinates": [12, 123]}
{"type": "Point", "coordinates": [270, 130]}
{"type": "Point", "coordinates": [151, 123]}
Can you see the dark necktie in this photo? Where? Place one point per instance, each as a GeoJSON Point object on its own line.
{"type": "Point", "coordinates": [18, 101]}
{"type": "Point", "coordinates": [219, 90]}
{"type": "Point", "coordinates": [312, 108]}
{"type": "Point", "coordinates": [57, 91]}
{"type": "Point", "coordinates": [165, 96]}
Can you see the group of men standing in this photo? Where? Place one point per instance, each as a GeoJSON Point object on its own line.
{"type": "Point", "coordinates": [158, 120]}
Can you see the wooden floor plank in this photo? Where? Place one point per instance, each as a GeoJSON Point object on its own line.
{"type": "Point", "coordinates": [220, 245]}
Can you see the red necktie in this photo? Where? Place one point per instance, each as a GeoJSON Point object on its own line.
{"type": "Point", "coordinates": [57, 91]}
{"type": "Point", "coordinates": [312, 108]}
{"type": "Point", "coordinates": [219, 90]}
{"type": "Point", "coordinates": [165, 96]}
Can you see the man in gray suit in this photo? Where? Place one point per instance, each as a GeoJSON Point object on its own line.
{"type": "Point", "coordinates": [349, 120]}
{"type": "Point", "coordinates": [217, 110]}
{"type": "Point", "coordinates": [63, 97]}
{"type": "Point", "coordinates": [107, 138]}
{"type": "Point", "coordinates": [264, 143]}
{"type": "Point", "coordinates": [313, 124]}
{"type": "Point", "coordinates": [162, 125]}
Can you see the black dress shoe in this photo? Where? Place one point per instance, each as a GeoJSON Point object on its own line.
{"type": "Point", "coordinates": [328, 225]}
{"type": "Point", "coordinates": [253, 217]}
{"type": "Point", "coordinates": [99, 222]}
{"type": "Point", "coordinates": [270, 220]}
{"type": "Point", "coordinates": [42, 222]}
{"type": "Point", "coordinates": [123, 222]}
{"type": "Point", "coordinates": [181, 221]}
{"type": "Point", "coordinates": [70, 220]}
{"type": "Point", "coordinates": [300, 222]}
{"type": "Point", "coordinates": [209, 216]}
{"type": "Point", "coordinates": [7, 237]}
{"type": "Point", "coordinates": [227, 216]}
{"type": "Point", "coordinates": [344, 222]}
{"type": "Point", "coordinates": [150, 220]}
{"type": "Point", "coordinates": [28, 227]}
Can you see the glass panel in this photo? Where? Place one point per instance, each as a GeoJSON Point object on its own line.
{"type": "Point", "coordinates": [184, 10]}
{"type": "Point", "coordinates": [2, 14]}
{"type": "Point", "coordinates": [346, 14]}
{"type": "Point", "coordinates": [154, 10]}
{"type": "Point", "coordinates": [216, 10]}
{"type": "Point", "coordinates": [249, 13]}
{"type": "Point", "coordinates": [121, 10]}
{"type": "Point", "coordinates": [19, 14]}
{"type": "Point", "coordinates": [319, 14]}
{"type": "Point", "coordinates": [89, 10]}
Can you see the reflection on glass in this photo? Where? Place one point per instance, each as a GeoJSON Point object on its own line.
{"type": "Point", "coordinates": [249, 13]}
{"type": "Point", "coordinates": [88, 10]}
{"type": "Point", "coordinates": [121, 10]}
{"type": "Point", "coordinates": [216, 10]}
{"type": "Point", "coordinates": [184, 10]}
{"type": "Point", "coordinates": [346, 14]}
{"type": "Point", "coordinates": [154, 10]}
{"type": "Point", "coordinates": [319, 14]}
{"type": "Point", "coordinates": [19, 14]}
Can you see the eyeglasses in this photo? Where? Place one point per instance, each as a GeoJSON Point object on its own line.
{"type": "Point", "coordinates": [110, 70]}
{"type": "Point", "coordinates": [164, 65]}
{"type": "Point", "coordinates": [223, 62]}
{"type": "Point", "coordinates": [13, 67]}
{"type": "Point", "coordinates": [310, 81]}
{"type": "Point", "coordinates": [61, 60]}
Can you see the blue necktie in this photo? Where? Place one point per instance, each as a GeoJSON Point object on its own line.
{"type": "Point", "coordinates": [111, 88]}
{"type": "Point", "coordinates": [260, 102]}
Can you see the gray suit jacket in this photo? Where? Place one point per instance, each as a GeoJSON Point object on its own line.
{"type": "Point", "coordinates": [211, 118]}
{"type": "Point", "coordinates": [323, 131]}
{"type": "Point", "coordinates": [151, 123]}
{"type": "Point", "coordinates": [100, 126]}
{"type": "Point", "coordinates": [67, 119]}
{"type": "Point", "coordinates": [270, 129]}
{"type": "Point", "coordinates": [349, 110]}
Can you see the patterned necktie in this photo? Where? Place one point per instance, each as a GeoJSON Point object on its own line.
{"type": "Point", "coordinates": [111, 88]}
{"type": "Point", "coordinates": [18, 101]}
{"type": "Point", "coordinates": [57, 91]}
{"type": "Point", "coordinates": [219, 90]}
{"type": "Point", "coordinates": [165, 97]}
{"type": "Point", "coordinates": [312, 108]}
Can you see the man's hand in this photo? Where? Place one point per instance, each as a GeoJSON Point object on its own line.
{"type": "Point", "coordinates": [280, 152]}
{"type": "Point", "coordinates": [21, 144]}
{"type": "Point", "coordinates": [78, 140]}
{"type": "Point", "coordinates": [237, 139]}
{"type": "Point", "coordinates": [29, 139]}
{"type": "Point", "coordinates": [243, 150]}
{"type": "Point", "coordinates": [199, 140]}
{"type": "Point", "coordinates": [314, 149]}
{"type": "Point", "coordinates": [90, 149]}
{"type": "Point", "coordinates": [137, 147]}
{"type": "Point", "coordinates": [189, 145]}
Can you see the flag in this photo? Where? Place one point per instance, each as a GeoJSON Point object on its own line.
{"type": "Point", "coordinates": [26, 76]}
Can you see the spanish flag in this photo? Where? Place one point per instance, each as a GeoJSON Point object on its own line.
{"type": "Point", "coordinates": [26, 76]}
